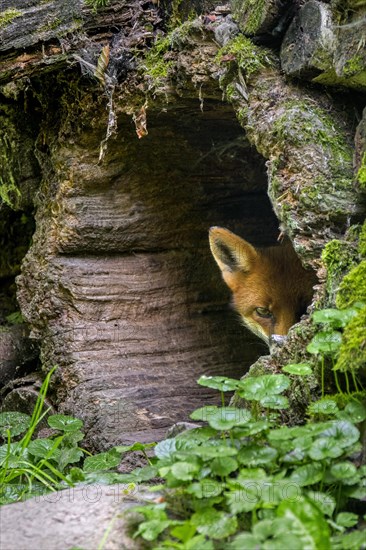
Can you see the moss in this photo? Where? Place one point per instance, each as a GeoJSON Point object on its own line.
{"type": "Point", "coordinates": [353, 287]}
{"type": "Point", "coordinates": [353, 66]}
{"type": "Point", "coordinates": [352, 353]}
{"type": "Point", "coordinates": [154, 65]}
{"type": "Point", "coordinates": [338, 257]}
{"type": "Point", "coordinates": [361, 174]}
{"type": "Point", "coordinates": [7, 16]}
{"type": "Point", "coordinates": [249, 58]}
{"type": "Point", "coordinates": [97, 4]}
{"type": "Point", "coordinates": [302, 122]}
{"type": "Point", "coordinates": [250, 14]}
{"type": "Point", "coordinates": [362, 241]}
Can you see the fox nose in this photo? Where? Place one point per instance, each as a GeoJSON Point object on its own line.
{"type": "Point", "coordinates": [278, 339]}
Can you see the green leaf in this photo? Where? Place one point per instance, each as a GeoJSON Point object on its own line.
{"type": "Point", "coordinates": [220, 383]}
{"type": "Point", "coordinates": [275, 402]}
{"type": "Point", "coordinates": [298, 369]}
{"type": "Point", "coordinates": [206, 488]}
{"type": "Point", "coordinates": [184, 471]}
{"type": "Point", "coordinates": [309, 474]}
{"type": "Point", "coordinates": [150, 530]}
{"type": "Point", "coordinates": [325, 342]}
{"type": "Point", "coordinates": [240, 500]}
{"type": "Point", "coordinates": [69, 456]}
{"type": "Point", "coordinates": [354, 411]}
{"type": "Point", "coordinates": [343, 470]}
{"type": "Point", "coordinates": [223, 466]}
{"type": "Point", "coordinates": [307, 521]}
{"type": "Point", "coordinates": [347, 519]}
{"type": "Point", "coordinates": [350, 541]}
{"type": "Point", "coordinates": [255, 455]}
{"type": "Point", "coordinates": [42, 448]}
{"type": "Point", "coordinates": [244, 541]}
{"type": "Point", "coordinates": [215, 450]}
{"type": "Point", "coordinates": [16, 422]}
{"type": "Point", "coordinates": [255, 388]}
{"type": "Point", "coordinates": [144, 474]}
{"type": "Point", "coordinates": [343, 432]}
{"type": "Point", "coordinates": [214, 524]}
{"type": "Point", "coordinates": [102, 461]}
{"type": "Point", "coordinates": [64, 423]}
{"type": "Point", "coordinates": [325, 406]}
{"type": "Point", "coordinates": [183, 532]}
{"type": "Point", "coordinates": [325, 447]}
{"type": "Point", "coordinates": [223, 418]}
{"type": "Point", "coordinates": [336, 318]}
{"type": "Point", "coordinates": [324, 501]}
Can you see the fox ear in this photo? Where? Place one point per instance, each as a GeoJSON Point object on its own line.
{"type": "Point", "coordinates": [232, 253]}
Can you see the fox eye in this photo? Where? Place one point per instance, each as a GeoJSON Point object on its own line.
{"type": "Point", "coordinates": [263, 312]}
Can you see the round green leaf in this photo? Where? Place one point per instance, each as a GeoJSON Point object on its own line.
{"type": "Point", "coordinates": [343, 470]}
{"type": "Point", "coordinates": [224, 418]}
{"type": "Point", "coordinates": [336, 318]}
{"type": "Point", "coordinates": [214, 524]}
{"type": "Point", "coordinates": [244, 540]}
{"type": "Point", "coordinates": [254, 455]}
{"type": "Point", "coordinates": [16, 422]}
{"type": "Point", "coordinates": [354, 411]}
{"type": "Point", "coordinates": [325, 447]}
{"type": "Point", "coordinates": [343, 432]}
{"type": "Point", "coordinates": [184, 470]}
{"type": "Point", "coordinates": [220, 383]}
{"type": "Point", "coordinates": [255, 388]}
{"type": "Point", "coordinates": [298, 369]}
{"type": "Point", "coordinates": [326, 342]}
{"type": "Point", "coordinates": [42, 447]}
{"type": "Point", "coordinates": [275, 402]}
{"type": "Point", "coordinates": [240, 500]}
{"type": "Point", "coordinates": [64, 423]}
{"type": "Point", "coordinates": [207, 452]}
{"type": "Point", "coordinates": [326, 406]}
{"type": "Point", "coordinates": [206, 488]}
{"type": "Point", "coordinates": [347, 519]}
{"type": "Point", "coordinates": [102, 461]}
{"type": "Point", "coordinates": [309, 474]}
{"type": "Point", "coordinates": [223, 466]}
{"type": "Point", "coordinates": [324, 501]}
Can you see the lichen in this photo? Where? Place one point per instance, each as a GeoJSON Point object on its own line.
{"type": "Point", "coordinates": [352, 353]}
{"type": "Point", "coordinates": [7, 16]}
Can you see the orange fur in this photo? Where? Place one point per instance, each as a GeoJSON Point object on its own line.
{"type": "Point", "coordinates": [271, 280]}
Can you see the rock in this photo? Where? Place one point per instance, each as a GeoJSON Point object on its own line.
{"type": "Point", "coordinates": [82, 517]}
{"type": "Point", "coordinates": [308, 46]}
{"type": "Point", "coordinates": [317, 48]}
{"type": "Point", "coordinates": [17, 352]}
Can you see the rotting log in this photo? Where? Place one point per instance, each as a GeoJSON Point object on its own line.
{"type": "Point", "coordinates": [119, 286]}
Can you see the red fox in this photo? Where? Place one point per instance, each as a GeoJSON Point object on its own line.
{"type": "Point", "coordinates": [271, 289]}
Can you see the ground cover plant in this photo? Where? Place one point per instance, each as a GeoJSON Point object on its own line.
{"type": "Point", "coordinates": [239, 480]}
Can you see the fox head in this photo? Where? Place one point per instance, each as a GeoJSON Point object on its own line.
{"type": "Point", "coordinates": [271, 289]}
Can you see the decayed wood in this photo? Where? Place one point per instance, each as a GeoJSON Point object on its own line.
{"type": "Point", "coordinates": [120, 285]}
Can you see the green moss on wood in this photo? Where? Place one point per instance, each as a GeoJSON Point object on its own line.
{"type": "Point", "coordinates": [362, 241]}
{"type": "Point", "coordinates": [249, 58]}
{"type": "Point", "coordinates": [352, 353]}
{"type": "Point", "coordinates": [361, 174]}
{"type": "Point", "coordinates": [338, 257]}
{"type": "Point", "coordinates": [353, 287]}
{"type": "Point", "coordinates": [7, 16]}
